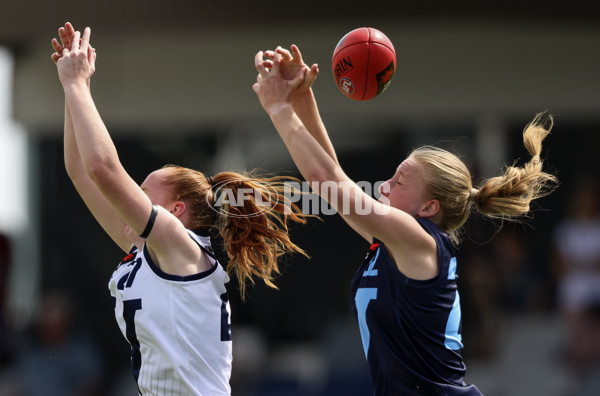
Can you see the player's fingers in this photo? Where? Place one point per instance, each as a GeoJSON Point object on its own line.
{"type": "Point", "coordinates": [314, 69]}
{"type": "Point", "coordinates": [69, 29]}
{"type": "Point", "coordinates": [276, 61]}
{"type": "Point", "coordinates": [296, 53]}
{"type": "Point", "coordinates": [75, 42]}
{"type": "Point", "coordinates": [91, 55]}
{"type": "Point", "coordinates": [311, 74]}
{"type": "Point", "coordinates": [67, 35]}
{"type": "Point", "coordinates": [55, 57]}
{"type": "Point", "coordinates": [298, 79]}
{"type": "Point", "coordinates": [256, 87]}
{"type": "Point", "coordinates": [85, 40]}
{"type": "Point", "coordinates": [285, 54]}
{"type": "Point", "coordinates": [64, 38]}
{"type": "Point", "coordinates": [268, 64]}
{"type": "Point", "coordinates": [56, 45]}
{"type": "Point", "coordinates": [258, 63]}
{"type": "Point", "coordinates": [269, 54]}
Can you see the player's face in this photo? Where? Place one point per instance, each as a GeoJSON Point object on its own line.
{"type": "Point", "coordinates": [404, 190]}
{"type": "Point", "coordinates": [157, 189]}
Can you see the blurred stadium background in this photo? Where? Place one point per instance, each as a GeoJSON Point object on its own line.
{"type": "Point", "coordinates": [173, 85]}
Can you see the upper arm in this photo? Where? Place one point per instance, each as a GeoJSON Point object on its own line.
{"type": "Point", "coordinates": [102, 210]}
{"type": "Point", "coordinates": [375, 219]}
{"type": "Point", "coordinates": [108, 218]}
{"type": "Point", "coordinates": [368, 237]}
{"type": "Point", "coordinates": [114, 198]}
{"type": "Point", "coordinates": [124, 195]}
{"type": "Point", "coordinates": [306, 108]}
{"type": "Point", "coordinates": [370, 218]}
{"type": "Point", "coordinates": [169, 243]}
{"type": "Point", "coordinates": [413, 249]}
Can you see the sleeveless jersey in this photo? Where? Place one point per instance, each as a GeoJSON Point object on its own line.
{"type": "Point", "coordinates": [178, 327]}
{"type": "Point", "coordinates": [410, 329]}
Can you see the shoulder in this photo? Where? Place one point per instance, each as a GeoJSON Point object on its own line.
{"type": "Point", "coordinates": [441, 238]}
{"type": "Point", "coordinates": [416, 258]}
{"type": "Point", "coordinates": [188, 254]}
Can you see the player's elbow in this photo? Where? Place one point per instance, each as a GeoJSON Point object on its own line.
{"type": "Point", "coordinates": [317, 175]}
{"type": "Point", "coordinates": [324, 173]}
{"type": "Point", "coordinates": [100, 170]}
{"type": "Point", "coordinates": [73, 171]}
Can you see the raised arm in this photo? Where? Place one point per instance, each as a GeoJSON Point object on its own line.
{"type": "Point", "coordinates": [395, 227]}
{"type": "Point", "coordinates": [110, 220]}
{"type": "Point", "coordinates": [304, 103]}
{"type": "Point", "coordinates": [302, 99]}
{"type": "Point", "coordinates": [168, 242]}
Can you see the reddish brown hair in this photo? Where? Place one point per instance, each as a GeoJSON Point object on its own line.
{"type": "Point", "coordinates": [255, 233]}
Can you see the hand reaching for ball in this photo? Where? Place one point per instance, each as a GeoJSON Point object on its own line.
{"type": "Point", "coordinates": [68, 35]}
{"type": "Point", "coordinates": [290, 64]}
{"type": "Point", "coordinates": [273, 90]}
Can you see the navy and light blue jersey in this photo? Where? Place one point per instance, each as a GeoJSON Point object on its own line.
{"type": "Point", "coordinates": [178, 327]}
{"type": "Point", "coordinates": [410, 329]}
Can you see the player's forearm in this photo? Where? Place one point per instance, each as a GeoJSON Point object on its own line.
{"type": "Point", "coordinates": [92, 141]}
{"type": "Point", "coordinates": [311, 159]}
{"type": "Point", "coordinates": [306, 108]}
{"type": "Point", "coordinates": [73, 164]}
{"type": "Point", "coordinates": [87, 189]}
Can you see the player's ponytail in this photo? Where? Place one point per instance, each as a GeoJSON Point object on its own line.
{"type": "Point", "coordinates": [503, 197]}
{"type": "Point", "coordinates": [253, 222]}
{"type": "Point", "coordinates": [509, 195]}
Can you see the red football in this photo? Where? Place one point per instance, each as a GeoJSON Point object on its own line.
{"type": "Point", "coordinates": [363, 63]}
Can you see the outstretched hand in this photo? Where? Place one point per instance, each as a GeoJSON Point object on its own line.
{"type": "Point", "coordinates": [66, 35]}
{"type": "Point", "coordinates": [273, 89]}
{"type": "Point", "coordinates": [75, 57]}
{"type": "Point", "coordinates": [290, 64]}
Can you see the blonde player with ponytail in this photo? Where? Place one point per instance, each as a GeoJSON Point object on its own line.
{"type": "Point", "coordinates": [171, 302]}
{"type": "Point", "coordinates": [405, 295]}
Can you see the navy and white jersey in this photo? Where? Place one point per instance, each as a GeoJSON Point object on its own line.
{"type": "Point", "coordinates": [410, 329]}
{"type": "Point", "coordinates": [178, 327]}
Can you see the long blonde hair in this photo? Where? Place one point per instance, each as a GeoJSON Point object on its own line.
{"type": "Point", "coordinates": [255, 233]}
{"type": "Point", "coordinates": [505, 197]}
